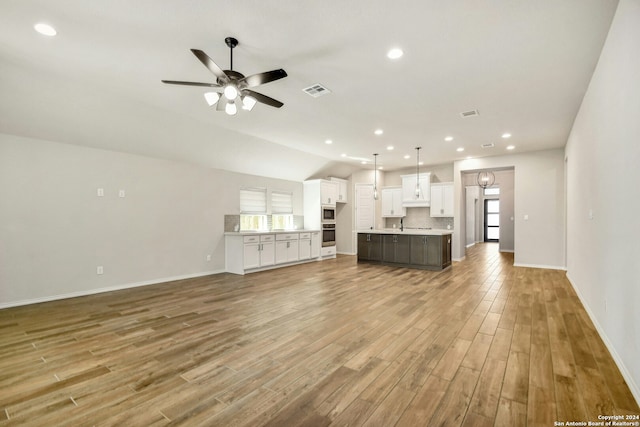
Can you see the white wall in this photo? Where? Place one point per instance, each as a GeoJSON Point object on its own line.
{"type": "Point", "coordinates": [603, 177]}
{"type": "Point", "coordinates": [538, 193]}
{"type": "Point", "coordinates": [55, 231]}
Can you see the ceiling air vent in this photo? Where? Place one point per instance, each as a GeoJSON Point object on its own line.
{"type": "Point", "coordinates": [471, 113]}
{"type": "Point", "coordinates": [488, 145]}
{"type": "Point", "coordinates": [316, 90]}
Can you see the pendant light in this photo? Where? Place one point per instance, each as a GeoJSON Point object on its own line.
{"type": "Point", "coordinates": [485, 179]}
{"type": "Point", "coordinates": [375, 176]}
{"type": "Point", "coordinates": [418, 172]}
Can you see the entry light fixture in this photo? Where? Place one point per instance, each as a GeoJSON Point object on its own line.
{"type": "Point", "coordinates": [375, 176]}
{"type": "Point", "coordinates": [485, 179]}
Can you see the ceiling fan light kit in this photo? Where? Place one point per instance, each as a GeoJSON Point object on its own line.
{"type": "Point", "coordinates": [233, 87]}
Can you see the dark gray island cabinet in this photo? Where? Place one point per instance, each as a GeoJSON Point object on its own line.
{"type": "Point", "coordinates": [425, 249]}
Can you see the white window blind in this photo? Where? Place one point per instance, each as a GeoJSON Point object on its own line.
{"type": "Point", "coordinates": [253, 201]}
{"type": "Point", "coordinates": [281, 202]}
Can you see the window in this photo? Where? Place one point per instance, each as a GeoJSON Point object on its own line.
{"type": "Point", "coordinates": [253, 209]}
{"type": "Point", "coordinates": [282, 210]}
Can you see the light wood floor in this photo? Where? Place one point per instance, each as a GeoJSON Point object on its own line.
{"type": "Point", "coordinates": [333, 342]}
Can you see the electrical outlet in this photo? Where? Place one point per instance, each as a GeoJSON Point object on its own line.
{"type": "Point", "coordinates": [209, 257]}
{"type": "Point", "coordinates": [121, 193]}
{"type": "Point", "coordinates": [99, 270]}
{"type": "Point", "coordinates": [100, 192]}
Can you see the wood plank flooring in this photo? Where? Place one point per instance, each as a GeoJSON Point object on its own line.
{"type": "Point", "coordinates": [327, 343]}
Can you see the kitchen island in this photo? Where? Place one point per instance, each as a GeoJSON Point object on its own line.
{"type": "Point", "coordinates": [413, 248]}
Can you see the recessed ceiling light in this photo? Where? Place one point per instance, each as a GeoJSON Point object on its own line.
{"type": "Point", "coordinates": [395, 53]}
{"type": "Point", "coordinates": [406, 156]}
{"type": "Point", "coordinates": [510, 147]}
{"type": "Point", "coordinates": [328, 142]}
{"type": "Point", "coordinates": [378, 132]}
{"type": "Point", "coordinates": [380, 168]}
{"type": "Point", "coordinates": [460, 149]}
{"type": "Point", "coordinates": [45, 29]}
{"type": "Point", "coordinates": [343, 155]}
{"type": "Point", "coordinates": [506, 135]}
{"type": "Point", "coordinates": [390, 147]}
{"type": "Point", "coordinates": [469, 157]}
{"type": "Point", "coordinates": [448, 138]}
{"type": "Point", "coordinates": [363, 162]}
{"type": "Point", "coordinates": [420, 163]}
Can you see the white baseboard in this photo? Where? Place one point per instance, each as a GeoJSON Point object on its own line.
{"type": "Point", "coordinates": [346, 253]}
{"type": "Point", "coordinates": [548, 267]}
{"type": "Point", "coordinates": [507, 250]}
{"type": "Point", "coordinates": [458, 259]}
{"type": "Point", "coordinates": [471, 244]}
{"type": "Point", "coordinates": [635, 390]}
{"type": "Point", "coordinates": [106, 289]}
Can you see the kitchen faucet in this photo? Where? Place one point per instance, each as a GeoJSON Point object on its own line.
{"type": "Point", "coordinates": [401, 225]}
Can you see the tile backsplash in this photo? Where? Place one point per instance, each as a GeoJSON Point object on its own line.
{"type": "Point", "coordinates": [419, 218]}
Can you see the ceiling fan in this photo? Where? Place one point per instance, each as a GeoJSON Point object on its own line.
{"type": "Point", "coordinates": [231, 87]}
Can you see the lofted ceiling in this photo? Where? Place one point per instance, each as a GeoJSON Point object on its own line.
{"type": "Point", "coordinates": [523, 65]}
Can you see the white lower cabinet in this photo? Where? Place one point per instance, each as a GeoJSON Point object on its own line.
{"type": "Point", "coordinates": [258, 251]}
{"type": "Point", "coordinates": [245, 253]}
{"type": "Point", "coordinates": [267, 250]}
{"type": "Point", "coordinates": [315, 244]}
{"type": "Point", "coordinates": [304, 248]}
{"type": "Point", "coordinates": [287, 248]}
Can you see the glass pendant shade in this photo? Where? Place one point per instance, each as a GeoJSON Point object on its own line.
{"type": "Point", "coordinates": [230, 92]}
{"type": "Point", "coordinates": [248, 102]}
{"type": "Point", "coordinates": [231, 108]}
{"type": "Point", "coordinates": [211, 98]}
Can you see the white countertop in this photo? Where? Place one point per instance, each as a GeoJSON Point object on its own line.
{"type": "Point", "coordinates": [254, 233]}
{"type": "Point", "coordinates": [409, 231]}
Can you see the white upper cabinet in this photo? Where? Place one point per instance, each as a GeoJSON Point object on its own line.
{"type": "Point", "coordinates": [392, 202]}
{"type": "Point", "coordinates": [409, 198]}
{"type": "Point", "coordinates": [342, 189]}
{"type": "Point", "coordinates": [328, 192]}
{"type": "Point", "coordinates": [442, 199]}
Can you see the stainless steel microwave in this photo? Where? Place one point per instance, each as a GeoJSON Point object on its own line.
{"type": "Point", "coordinates": [328, 214]}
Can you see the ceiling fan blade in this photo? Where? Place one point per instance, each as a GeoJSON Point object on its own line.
{"type": "Point", "coordinates": [263, 98]}
{"type": "Point", "coordinates": [212, 66]}
{"type": "Point", "coordinates": [263, 78]}
{"type": "Point", "coordinates": [176, 82]}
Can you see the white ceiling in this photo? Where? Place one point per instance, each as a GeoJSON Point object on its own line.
{"type": "Point", "coordinates": [524, 65]}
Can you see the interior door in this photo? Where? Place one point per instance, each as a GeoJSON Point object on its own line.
{"type": "Point", "coordinates": [492, 220]}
